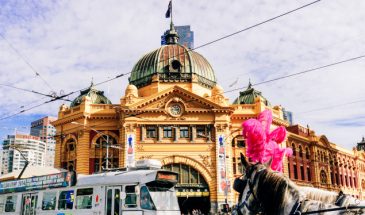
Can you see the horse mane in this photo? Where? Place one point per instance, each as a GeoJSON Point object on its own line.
{"type": "Point", "coordinates": [272, 191]}
{"type": "Point", "coordinates": [319, 194]}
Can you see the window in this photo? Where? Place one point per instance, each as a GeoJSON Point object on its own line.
{"type": "Point", "coordinates": [146, 201]}
{"type": "Point", "coordinates": [84, 198]}
{"type": "Point", "coordinates": [300, 152]}
{"type": "Point", "coordinates": [10, 204]}
{"type": "Point", "coordinates": [302, 172]}
{"type": "Point", "coordinates": [241, 143]}
{"type": "Point", "coordinates": [200, 131]}
{"type": "Point", "coordinates": [66, 200]}
{"type": "Point", "coordinates": [1, 204]}
{"type": "Point", "coordinates": [151, 132]}
{"type": "Point", "coordinates": [167, 132]}
{"type": "Point", "coordinates": [295, 171]}
{"type": "Point", "coordinates": [49, 201]}
{"type": "Point", "coordinates": [309, 174]}
{"type": "Point", "coordinates": [184, 132]}
{"type": "Point", "coordinates": [116, 201]}
{"type": "Point", "coordinates": [323, 177]}
{"type": "Point", "coordinates": [131, 197]}
{"type": "Point", "coordinates": [109, 202]}
{"type": "Point", "coordinates": [294, 151]}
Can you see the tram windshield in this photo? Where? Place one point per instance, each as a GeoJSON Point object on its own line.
{"type": "Point", "coordinates": [162, 191]}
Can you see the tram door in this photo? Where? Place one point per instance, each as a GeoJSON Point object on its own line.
{"type": "Point", "coordinates": [113, 203]}
{"type": "Point", "coordinates": [29, 203]}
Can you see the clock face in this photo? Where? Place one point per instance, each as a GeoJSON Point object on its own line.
{"type": "Point", "coordinates": [175, 109]}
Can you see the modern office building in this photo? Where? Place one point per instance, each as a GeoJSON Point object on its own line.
{"type": "Point", "coordinates": [43, 129]}
{"type": "Point", "coordinates": [19, 145]}
{"type": "Point", "coordinates": [288, 116]}
{"type": "Point", "coordinates": [186, 36]}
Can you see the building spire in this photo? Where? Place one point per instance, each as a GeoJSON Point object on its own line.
{"type": "Point", "coordinates": [171, 36]}
{"type": "Point", "coordinates": [249, 84]}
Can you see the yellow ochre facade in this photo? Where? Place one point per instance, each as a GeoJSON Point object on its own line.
{"type": "Point", "coordinates": [174, 111]}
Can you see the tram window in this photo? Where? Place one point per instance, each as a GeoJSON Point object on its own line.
{"type": "Point", "coordinates": [1, 204]}
{"type": "Point", "coordinates": [84, 198]}
{"type": "Point", "coordinates": [49, 201]}
{"type": "Point", "coordinates": [131, 197]}
{"type": "Point", "coordinates": [10, 204]}
{"type": "Point", "coordinates": [146, 201]}
{"type": "Point", "coordinates": [109, 202]}
{"type": "Point", "coordinates": [66, 200]}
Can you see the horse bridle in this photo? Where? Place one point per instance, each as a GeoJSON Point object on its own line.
{"type": "Point", "coordinates": [247, 180]}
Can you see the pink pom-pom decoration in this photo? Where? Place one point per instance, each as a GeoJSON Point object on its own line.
{"type": "Point", "coordinates": [263, 145]}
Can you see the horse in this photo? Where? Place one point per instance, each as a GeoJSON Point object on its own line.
{"type": "Point", "coordinates": [265, 192]}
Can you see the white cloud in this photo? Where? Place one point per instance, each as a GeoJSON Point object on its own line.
{"type": "Point", "coordinates": [70, 42]}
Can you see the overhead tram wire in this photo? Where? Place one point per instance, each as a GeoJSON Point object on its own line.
{"type": "Point", "coordinates": [31, 91]}
{"type": "Point", "coordinates": [61, 97]}
{"type": "Point", "coordinates": [26, 61]}
{"type": "Point", "coordinates": [264, 82]}
{"type": "Point", "coordinates": [298, 73]}
{"type": "Point", "coordinates": [332, 107]}
{"type": "Point", "coordinates": [203, 45]}
{"type": "Point", "coordinates": [245, 29]}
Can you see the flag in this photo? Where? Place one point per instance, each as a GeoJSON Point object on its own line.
{"type": "Point", "coordinates": [168, 12]}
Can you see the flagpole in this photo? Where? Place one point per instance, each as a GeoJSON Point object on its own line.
{"type": "Point", "coordinates": [171, 11]}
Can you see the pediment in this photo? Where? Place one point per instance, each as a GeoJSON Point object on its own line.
{"type": "Point", "coordinates": [189, 101]}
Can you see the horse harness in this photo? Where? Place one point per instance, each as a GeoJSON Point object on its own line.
{"type": "Point", "coordinates": [240, 184]}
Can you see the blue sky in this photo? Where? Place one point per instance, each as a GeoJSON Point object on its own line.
{"type": "Point", "coordinates": [71, 42]}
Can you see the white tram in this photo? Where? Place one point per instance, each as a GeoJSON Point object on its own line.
{"type": "Point", "coordinates": [140, 191]}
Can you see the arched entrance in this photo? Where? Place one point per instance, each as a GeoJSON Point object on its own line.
{"type": "Point", "coordinates": [192, 190]}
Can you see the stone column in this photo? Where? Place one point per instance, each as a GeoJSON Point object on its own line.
{"type": "Point", "coordinates": [159, 133]}
{"type": "Point", "coordinates": [83, 152]}
{"type": "Point", "coordinates": [143, 133]}
{"type": "Point", "coordinates": [193, 133]}
{"type": "Point", "coordinates": [176, 133]}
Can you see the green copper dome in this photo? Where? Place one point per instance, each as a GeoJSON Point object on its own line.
{"type": "Point", "coordinates": [97, 97]}
{"type": "Point", "coordinates": [249, 96]}
{"type": "Point", "coordinates": [172, 63]}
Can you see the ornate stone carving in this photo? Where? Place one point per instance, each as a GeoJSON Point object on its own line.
{"type": "Point", "coordinates": [221, 127]}
{"type": "Point", "coordinates": [206, 160]}
{"type": "Point", "coordinates": [139, 147]}
{"type": "Point", "coordinates": [145, 157]}
{"type": "Point", "coordinates": [130, 127]}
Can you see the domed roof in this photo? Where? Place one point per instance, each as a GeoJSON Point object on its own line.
{"type": "Point", "coordinates": [96, 96]}
{"type": "Point", "coordinates": [249, 96]}
{"type": "Point", "coordinates": [172, 63]}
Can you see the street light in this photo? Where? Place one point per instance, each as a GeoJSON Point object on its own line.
{"type": "Point", "coordinates": [107, 142]}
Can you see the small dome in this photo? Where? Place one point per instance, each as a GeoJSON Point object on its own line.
{"type": "Point", "coordinates": [172, 63]}
{"type": "Point", "coordinates": [249, 96]}
{"type": "Point", "coordinates": [131, 90]}
{"type": "Point", "coordinates": [96, 96]}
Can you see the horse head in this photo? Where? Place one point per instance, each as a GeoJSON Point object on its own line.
{"type": "Point", "coordinates": [263, 191]}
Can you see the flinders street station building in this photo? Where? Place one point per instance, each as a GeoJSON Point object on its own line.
{"type": "Point", "coordinates": [174, 111]}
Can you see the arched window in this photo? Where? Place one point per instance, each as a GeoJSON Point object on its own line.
{"type": "Point", "coordinates": [69, 155]}
{"type": "Point", "coordinates": [300, 151]}
{"type": "Point", "coordinates": [294, 150]}
{"type": "Point", "coordinates": [363, 184]}
{"type": "Point", "coordinates": [189, 177]}
{"type": "Point", "coordinates": [106, 154]}
{"type": "Point", "coordinates": [323, 177]}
